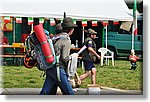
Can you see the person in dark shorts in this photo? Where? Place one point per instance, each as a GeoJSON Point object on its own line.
{"type": "Point", "coordinates": [89, 56]}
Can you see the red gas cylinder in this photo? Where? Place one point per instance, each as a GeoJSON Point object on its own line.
{"type": "Point", "coordinates": [41, 36]}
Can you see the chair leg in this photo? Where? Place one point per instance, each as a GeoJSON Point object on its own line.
{"type": "Point", "coordinates": [4, 62]}
{"type": "Point", "coordinates": [20, 61]}
{"type": "Point", "coordinates": [106, 61]}
{"type": "Point", "coordinates": [112, 61]}
{"type": "Point", "coordinates": [102, 61]}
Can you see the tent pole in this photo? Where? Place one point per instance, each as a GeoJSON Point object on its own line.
{"type": "Point", "coordinates": [14, 30]}
{"type": "Point", "coordinates": [83, 35]}
{"type": "Point", "coordinates": [103, 37]}
{"type": "Point", "coordinates": [106, 41]}
{"type": "Point", "coordinates": [106, 35]}
{"type": "Point", "coordinates": [31, 29]}
{"type": "Point", "coordinates": [133, 37]}
{"type": "Point", "coordinates": [82, 43]}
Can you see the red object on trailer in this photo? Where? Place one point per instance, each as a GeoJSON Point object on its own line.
{"type": "Point", "coordinates": [41, 36]}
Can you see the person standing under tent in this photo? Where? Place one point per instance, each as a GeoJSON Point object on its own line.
{"type": "Point", "coordinates": [62, 48]}
{"type": "Point", "coordinates": [89, 56]}
{"type": "Point", "coordinates": [4, 40]}
{"type": "Point", "coordinates": [58, 30]}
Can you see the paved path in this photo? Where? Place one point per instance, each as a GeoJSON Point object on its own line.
{"type": "Point", "coordinates": [78, 91]}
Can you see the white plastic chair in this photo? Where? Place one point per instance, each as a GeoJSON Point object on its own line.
{"type": "Point", "coordinates": [106, 53]}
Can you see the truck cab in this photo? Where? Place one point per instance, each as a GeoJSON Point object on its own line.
{"type": "Point", "coordinates": [120, 41]}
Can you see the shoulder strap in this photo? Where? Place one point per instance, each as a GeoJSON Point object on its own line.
{"type": "Point", "coordinates": [55, 39]}
{"type": "Point", "coordinates": [27, 45]}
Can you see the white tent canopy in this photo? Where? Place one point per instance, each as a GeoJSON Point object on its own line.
{"type": "Point", "coordinates": [77, 9]}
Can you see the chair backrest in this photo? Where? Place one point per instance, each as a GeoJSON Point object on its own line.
{"type": "Point", "coordinates": [103, 51]}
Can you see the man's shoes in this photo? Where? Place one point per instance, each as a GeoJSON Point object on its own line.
{"type": "Point", "coordinates": [78, 83]}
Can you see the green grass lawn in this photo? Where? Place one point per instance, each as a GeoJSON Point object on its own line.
{"type": "Point", "coordinates": [118, 76]}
